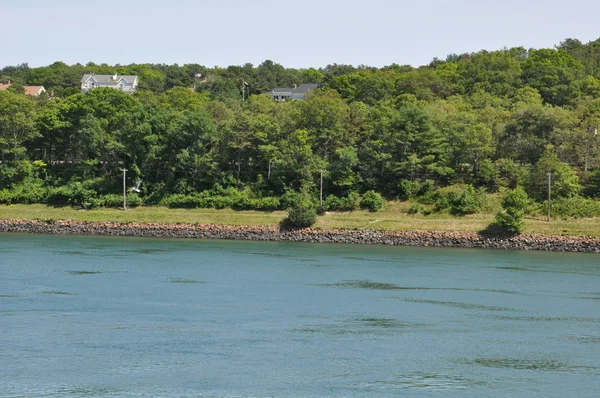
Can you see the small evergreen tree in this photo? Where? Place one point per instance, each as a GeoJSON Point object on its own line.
{"type": "Point", "coordinates": [510, 218]}
{"type": "Point", "coordinates": [302, 215]}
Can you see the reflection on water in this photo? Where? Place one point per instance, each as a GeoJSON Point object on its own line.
{"type": "Point", "coordinates": [127, 317]}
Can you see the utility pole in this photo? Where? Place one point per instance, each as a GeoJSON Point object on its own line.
{"type": "Point", "coordinates": [321, 190]}
{"type": "Point", "coordinates": [549, 194]}
{"type": "Point", "coordinates": [124, 190]}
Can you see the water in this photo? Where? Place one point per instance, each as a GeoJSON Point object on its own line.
{"type": "Point", "coordinates": [102, 317]}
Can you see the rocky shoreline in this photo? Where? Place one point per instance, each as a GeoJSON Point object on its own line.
{"type": "Point", "coordinates": [308, 235]}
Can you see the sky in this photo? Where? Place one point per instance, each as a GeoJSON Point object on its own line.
{"type": "Point", "coordinates": [294, 33]}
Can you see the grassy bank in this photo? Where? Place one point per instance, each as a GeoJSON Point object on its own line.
{"type": "Point", "coordinates": [393, 217]}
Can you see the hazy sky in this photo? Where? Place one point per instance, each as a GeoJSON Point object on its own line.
{"type": "Point", "coordinates": [298, 33]}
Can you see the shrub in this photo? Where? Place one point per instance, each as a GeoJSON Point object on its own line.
{"type": "Point", "coordinates": [331, 203]}
{"type": "Point", "coordinates": [351, 202]}
{"type": "Point", "coordinates": [181, 201]}
{"type": "Point", "coordinates": [415, 208]}
{"type": "Point", "coordinates": [575, 207]}
{"type": "Point", "coordinates": [470, 201]}
{"type": "Point", "coordinates": [302, 215]}
{"type": "Point", "coordinates": [217, 202]}
{"type": "Point", "coordinates": [269, 203]}
{"type": "Point", "coordinates": [28, 192]}
{"type": "Point", "coordinates": [510, 218]}
{"type": "Point", "coordinates": [116, 201]}
{"type": "Point", "coordinates": [347, 203]}
{"type": "Point", "coordinates": [244, 202]}
{"type": "Point", "coordinates": [409, 189]}
{"type": "Point", "coordinates": [290, 197]}
{"type": "Point", "coordinates": [372, 201]}
{"type": "Point", "coordinates": [73, 194]}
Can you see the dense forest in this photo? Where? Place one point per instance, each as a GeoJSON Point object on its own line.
{"type": "Point", "coordinates": [482, 122]}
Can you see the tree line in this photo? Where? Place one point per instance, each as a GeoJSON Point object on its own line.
{"type": "Point", "coordinates": [488, 120]}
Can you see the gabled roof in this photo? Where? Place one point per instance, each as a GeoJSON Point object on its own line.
{"type": "Point", "coordinates": [34, 90]}
{"type": "Point", "coordinates": [108, 79]}
{"type": "Point", "coordinates": [29, 90]}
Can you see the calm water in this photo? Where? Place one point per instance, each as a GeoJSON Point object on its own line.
{"type": "Point", "coordinates": [97, 317]}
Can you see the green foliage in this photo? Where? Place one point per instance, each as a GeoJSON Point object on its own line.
{"type": "Point", "coordinates": [494, 119]}
{"type": "Point", "coordinates": [372, 201]}
{"type": "Point", "coordinates": [350, 202]}
{"type": "Point", "coordinates": [409, 189]}
{"type": "Point", "coordinates": [510, 219]}
{"type": "Point", "coordinates": [29, 191]}
{"type": "Point", "coordinates": [302, 215]}
{"type": "Point", "coordinates": [564, 182]}
{"type": "Point", "coordinates": [116, 201]}
{"type": "Point", "coordinates": [575, 206]}
{"type": "Point", "coordinates": [74, 194]}
{"type": "Point", "coordinates": [470, 201]}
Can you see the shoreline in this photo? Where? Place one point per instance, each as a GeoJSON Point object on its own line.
{"type": "Point", "coordinates": [555, 243]}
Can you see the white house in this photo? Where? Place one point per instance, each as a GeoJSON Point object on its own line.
{"type": "Point", "coordinates": [126, 84]}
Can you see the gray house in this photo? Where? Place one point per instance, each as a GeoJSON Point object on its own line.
{"type": "Point", "coordinates": [126, 84]}
{"type": "Point", "coordinates": [292, 93]}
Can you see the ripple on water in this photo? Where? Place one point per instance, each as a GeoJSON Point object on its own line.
{"type": "Point", "coordinates": [543, 318]}
{"type": "Point", "coordinates": [363, 326]}
{"type": "Point", "coordinates": [464, 306]}
{"type": "Point", "coordinates": [83, 272]}
{"type": "Point", "coordinates": [585, 339]}
{"type": "Point", "coordinates": [57, 292]}
{"type": "Point", "coordinates": [543, 365]}
{"type": "Point", "coordinates": [367, 284]}
{"type": "Point", "coordinates": [526, 269]}
{"type": "Point", "coordinates": [184, 281]}
{"type": "Point", "coordinates": [421, 381]}
{"type": "Point", "coordinates": [364, 284]}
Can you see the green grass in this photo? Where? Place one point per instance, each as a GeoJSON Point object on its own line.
{"type": "Point", "coordinates": [393, 217]}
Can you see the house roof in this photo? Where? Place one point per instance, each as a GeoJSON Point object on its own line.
{"type": "Point", "coordinates": [301, 89]}
{"type": "Point", "coordinates": [108, 79]}
{"type": "Point", "coordinates": [29, 90]}
{"type": "Point", "coordinates": [34, 90]}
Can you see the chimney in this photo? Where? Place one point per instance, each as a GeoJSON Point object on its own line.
{"type": "Point", "coordinates": [114, 77]}
{"type": "Point", "coordinates": [294, 86]}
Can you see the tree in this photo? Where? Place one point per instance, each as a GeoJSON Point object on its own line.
{"type": "Point", "coordinates": [17, 125]}
{"type": "Point", "coordinates": [510, 219]}
{"type": "Point", "coordinates": [565, 182]}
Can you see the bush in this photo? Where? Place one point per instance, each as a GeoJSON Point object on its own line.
{"type": "Point", "coordinates": [409, 189]}
{"type": "Point", "coordinates": [349, 203]}
{"type": "Point", "coordinates": [181, 201]}
{"type": "Point", "coordinates": [28, 192]}
{"type": "Point", "coordinates": [289, 197]}
{"type": "Point", "coordinates": [510, 218]}
{"type": "Point", "coordinates": [244, 202]}
{"type": "Point", "coordinates": [73, 194]}
{"type": "Point", "coordinates": [415, 208]}
{"type": "Point", "coordinates": [372, 201]}
{"type": "Point", "coordinates": [331, 203]}
{"type": "Point", "coordinates": [269, 203]}
{"type": "Point", "coordinates": [470, 201]}
{"type": "Point", "coordinates": [116, 201]}
{"type": "Point", "coordinates": [302, 215]}
{"type": "Point", "coordinates": [575, 207]}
